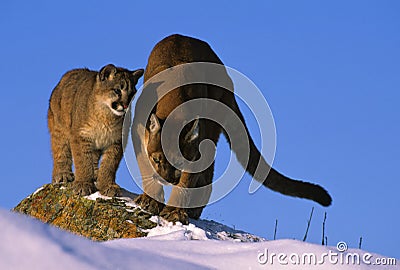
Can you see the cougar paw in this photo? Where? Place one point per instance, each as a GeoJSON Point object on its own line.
{"type": "Point", "coordinates": [174, 214]}
{"type": "Point", "coordinates": [83, 188]}
{"type": "Point", "coordinates": [149, 204]}
{"type": "Point", "coordinates": [112, 190]}
{"type": "Point", "coordinates": [63, 178]}
{"type": "Point", "coordinates": [195, 213]}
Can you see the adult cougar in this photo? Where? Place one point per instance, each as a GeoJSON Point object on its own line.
{"type": "Point", "coordinates": [173, 51]}
{"type": "Point", "coordinates": [85, 118]}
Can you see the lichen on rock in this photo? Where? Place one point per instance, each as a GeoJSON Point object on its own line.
{"type": "Point", "coordinates": [98, 218]}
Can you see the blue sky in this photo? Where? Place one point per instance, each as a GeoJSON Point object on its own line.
{"type": "Point", "coordinates": [328, 69]}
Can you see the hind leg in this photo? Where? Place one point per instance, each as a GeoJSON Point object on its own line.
{"type": "Point", "coordinates": [195, 213]}
{"type": "Point", "coordinates": [201, 196]}
{"type": "Point", "coordinates": [62, 159]}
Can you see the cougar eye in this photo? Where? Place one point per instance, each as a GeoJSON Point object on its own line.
{"type": "Point", "coordinates": [117, 91]}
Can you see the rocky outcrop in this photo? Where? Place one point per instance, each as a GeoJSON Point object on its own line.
{"type": "Point", "coordinates": [103, 218]}
{"type": "Point", "coordinates": [96, 217]}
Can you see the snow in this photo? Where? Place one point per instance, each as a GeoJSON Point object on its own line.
{"type": "Point", "coordinates": [26, 243]}
{"type": "Point", "coordinates": [39, 189]}
{"type": "Point", "coordinates": [169, 231]}
{"type": "Point", "coordinates": [97, 195]}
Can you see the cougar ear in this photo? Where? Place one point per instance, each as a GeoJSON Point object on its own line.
{"type": "Point", "coordinates": [154, 124]}
{"type": "Point", "coordinates": [107, 72]}
{"type": "Point", "coordinates": [193, 133]}
{"type": "Point", "coordinates": [138, 73]}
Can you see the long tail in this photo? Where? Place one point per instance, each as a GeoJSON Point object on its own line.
{"type": "Point", "coordinates": [257, 166]}
{"type": "Point", "coordinates": [282, 184]}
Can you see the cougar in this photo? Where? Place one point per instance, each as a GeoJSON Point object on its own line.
{"type": "Point", "coordinates": [172, 52]}
{"type": "Point", "coordinates": [85, 117]}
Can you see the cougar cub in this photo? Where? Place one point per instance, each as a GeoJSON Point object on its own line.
{"type": "Point", "coordinates": [85, 118]}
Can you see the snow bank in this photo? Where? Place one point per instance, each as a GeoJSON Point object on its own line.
{"type": "Point", "coordinates": [26, 243]}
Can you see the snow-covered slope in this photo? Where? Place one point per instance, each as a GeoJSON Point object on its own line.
{"type": "Point", "coordinates": [26, 243]}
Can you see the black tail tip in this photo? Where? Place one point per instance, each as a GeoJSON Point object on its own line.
{"type": "Point", "coordinates": [324, 198]}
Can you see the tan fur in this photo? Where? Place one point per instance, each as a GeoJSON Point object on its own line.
{"type": "Point", "coordinates": [85, 119]}
{"type": "Point", "coordinates": [172, 51]}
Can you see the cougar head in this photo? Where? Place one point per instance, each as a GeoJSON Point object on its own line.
{"type": "Point", "coordinates": [188, 144]}
{"type": "Point", "coordinates": [116, 87]}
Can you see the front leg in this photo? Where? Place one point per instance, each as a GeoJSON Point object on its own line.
{"type": "Point", "coordinates": [152, 199]}
{"type": "Point", "coordinates": [96, 158]}
{"type": "Point", "coordinates": [112, 156]}
{"type": "Point", "coordinates": [82, 153]}
{"type": "Point", "coordinates": [179, 201]}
